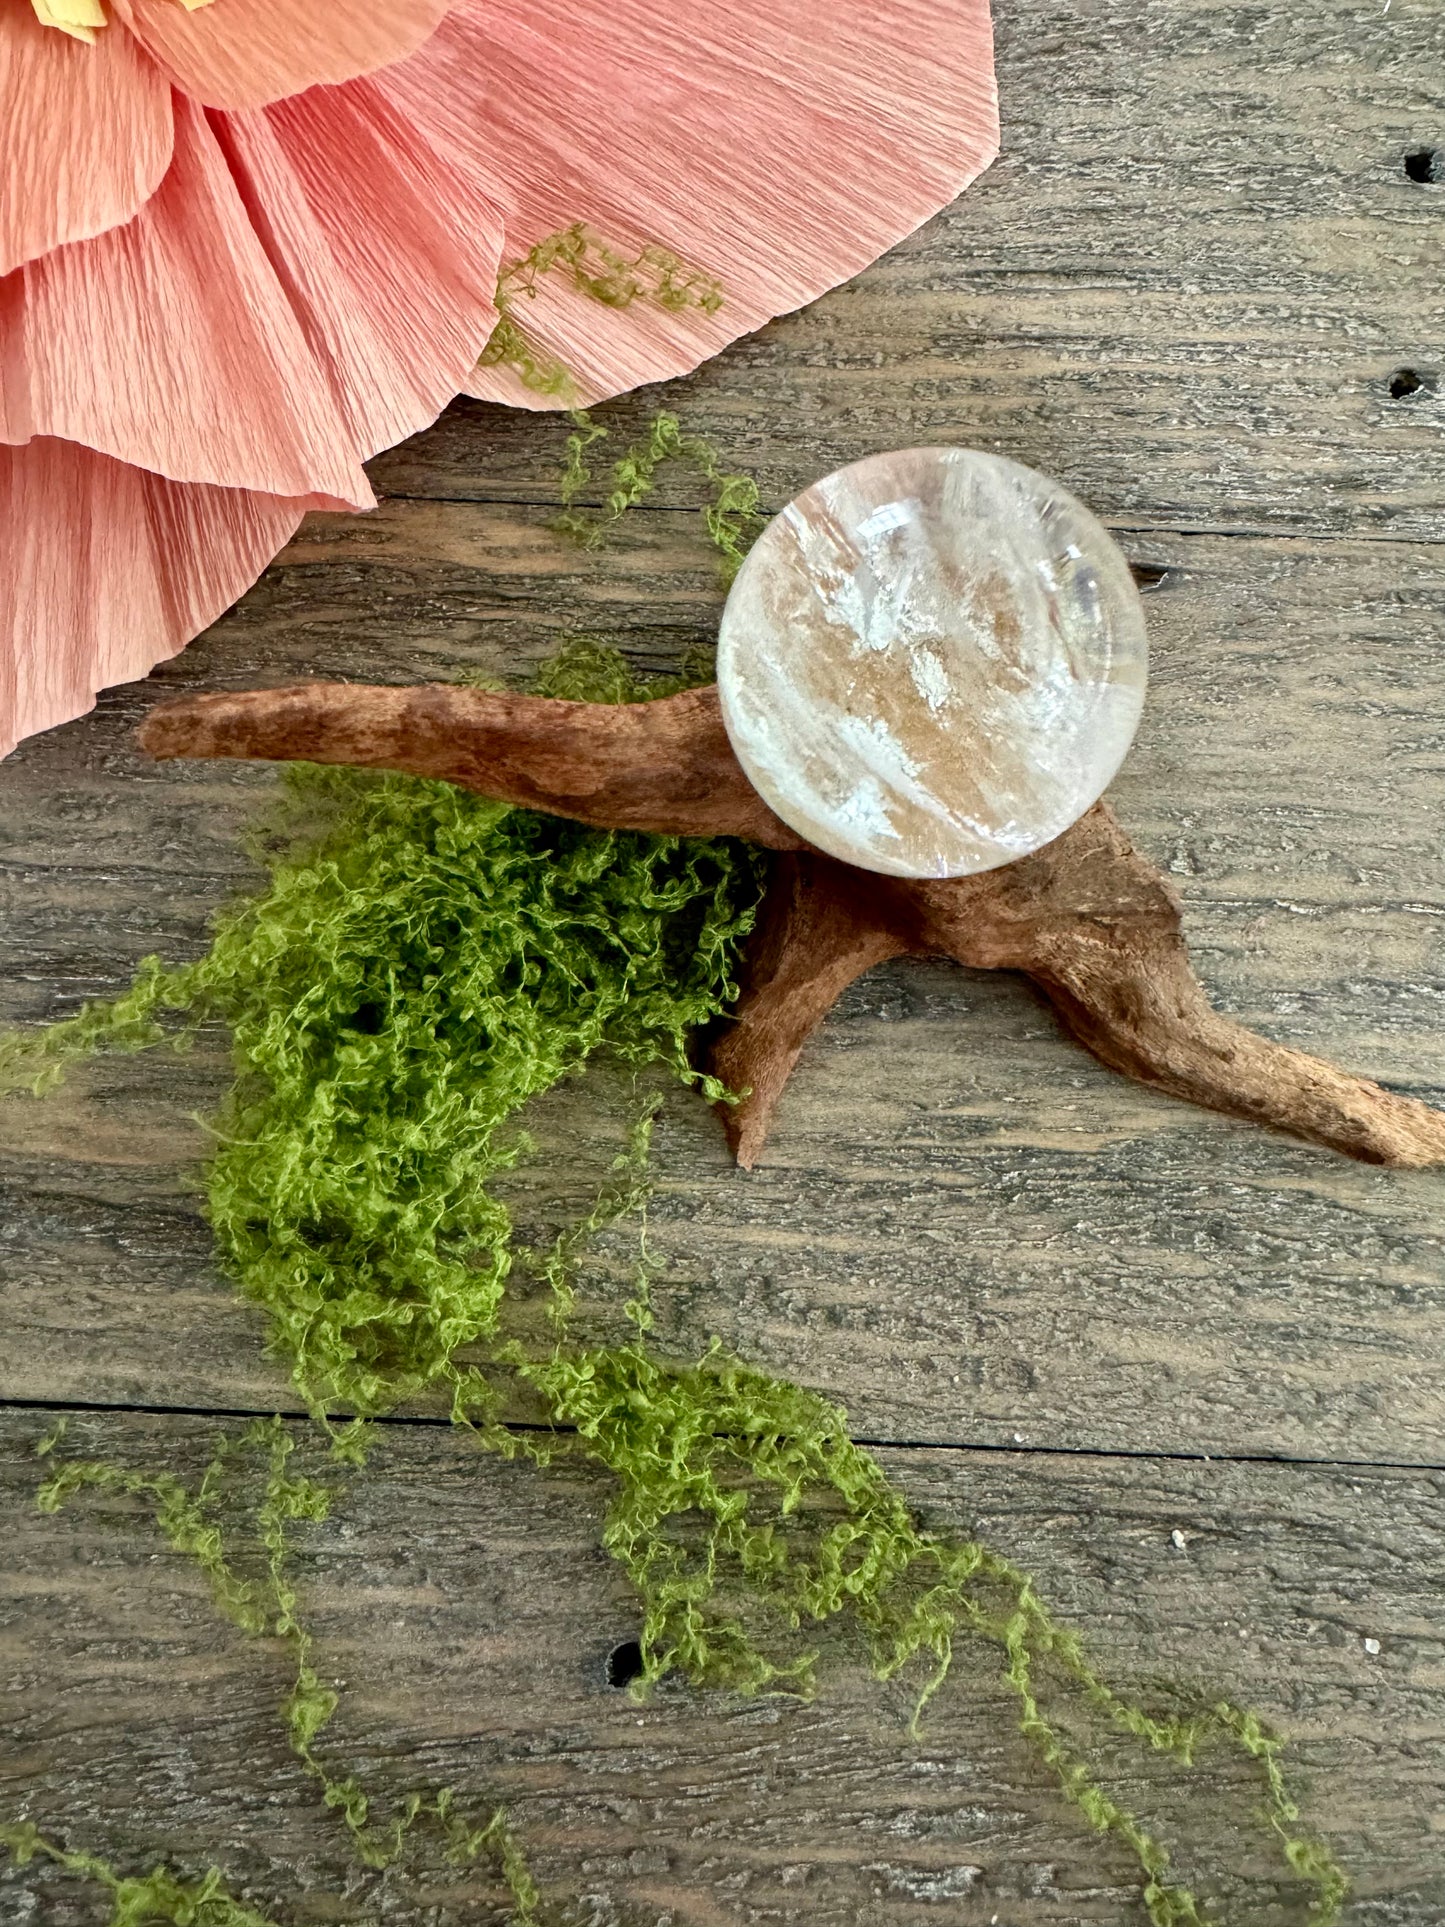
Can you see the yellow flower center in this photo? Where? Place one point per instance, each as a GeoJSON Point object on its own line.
{"type": "Point", "coordinates": [82, 19]}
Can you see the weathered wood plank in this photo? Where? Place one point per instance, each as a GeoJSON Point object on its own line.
{"type": "Point", "coordinates": [964, 1229]}
{"type": "Point", "coordinates": [1185, 288]}
{"type": "Point", "coordinates": [469, 1611]}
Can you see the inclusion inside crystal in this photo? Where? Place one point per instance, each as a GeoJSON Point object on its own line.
{"type": "Point", "coordinates": [932, 662]}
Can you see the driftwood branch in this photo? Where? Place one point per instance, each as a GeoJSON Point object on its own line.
{"type": "Point", "coordinates": [664, 766]}
{"type": "Point", "coordinates": [1099, 930]}
{"type": "Point", "coordinates": [809, 945]}
{"type": "Point", "coordinates": [1088, 919]}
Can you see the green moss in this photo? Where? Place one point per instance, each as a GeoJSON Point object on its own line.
{"type": "Point", "coordinates": [603, 273]}
{"type": "Point", "coordinates": [418, 964]}
{"type": "Point", "coordinates": [744, 1511]}
{"type": "Point", "coordinates": [268, 1606]}
{"type": "Point", "coordinates": [731, 517]}
{"type": "Point", "coordinates": [138, 1900]}
{"type": "Point", "coordinates": [656, 276]}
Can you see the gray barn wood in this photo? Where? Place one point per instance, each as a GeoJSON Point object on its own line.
{"type": "Point", "coordinates": [965, 1227]}
{"type": "Point", "coordinates": [1186, 289]}
{"type": "Point", "coordinates": [470, 1612]}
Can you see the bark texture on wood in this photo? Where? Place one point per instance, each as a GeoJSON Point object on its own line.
{"type": "Point", "coordinates": [810, 943]}
{"type": "Point", "coordinates": [665, 766]}
{"type": "Point", "coordinates": [1099, 930]}
{"type": "Point", "coordinates": [1090, 920]}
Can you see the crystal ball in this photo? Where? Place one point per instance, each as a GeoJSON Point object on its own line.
{"type": "Point", "coordinates": [932, 662]}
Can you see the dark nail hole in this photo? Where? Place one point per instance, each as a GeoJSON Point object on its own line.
{"type": "Point", "coordinates": [624, 1663]}
{"type": "Point", "coordinates": [1406, 382]}
{"type": "Point", "coordinates": [368, 1019]}
{"type": "Point", "coordinates": [1425, 164]}
{"type": "Point", "coordinates": [1151, 575]}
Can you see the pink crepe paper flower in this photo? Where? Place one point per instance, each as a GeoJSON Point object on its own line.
{"type": "Point", "coordinates": [244, 248]}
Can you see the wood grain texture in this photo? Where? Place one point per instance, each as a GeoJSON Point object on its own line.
{"type": "Point", "coordinates": [469, 1611]}
{"type": "Point", "coordinates": [1184, 289]}
{"type": "Point", "coordinates": [953, 1192]}
{"type": "Point", "coordinates": [665, 767]}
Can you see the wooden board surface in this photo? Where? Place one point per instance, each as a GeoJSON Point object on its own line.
{"type": "Point", "coordinates": [1185, 290]}
{"type": "Point", "coordinates": [963, 1227]}
{"type": "Point", "coordinates": [470, 1613]}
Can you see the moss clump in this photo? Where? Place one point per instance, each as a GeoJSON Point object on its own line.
{"type": "Point", "coordinates": [419, 964]}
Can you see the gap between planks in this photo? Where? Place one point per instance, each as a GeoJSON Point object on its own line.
{"type": "Point", "coordinates": [981, 1448]}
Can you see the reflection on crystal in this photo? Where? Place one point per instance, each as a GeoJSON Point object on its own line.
{"type": "Point", "coordinates": [932, 662]}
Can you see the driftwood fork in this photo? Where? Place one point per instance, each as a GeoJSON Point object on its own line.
{"type": "Point", "coordinates": [1094, 925]}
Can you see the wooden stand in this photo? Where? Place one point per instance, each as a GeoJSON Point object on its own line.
{"type": "Point", "coordinates": [1088, 919]}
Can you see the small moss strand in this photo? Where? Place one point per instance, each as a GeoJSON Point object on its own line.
{"type": "Point", "coordinates": [602, 273]}
{"type": "Point", "coordinates": [732, 518]}
{"type": "Point", "coordinates": [606, 275]}
{"type": "Point", "coordinates": [139, 1901]}
{"type": "Point", "coordinates": [576, 473]}
{"type": "Point", "coordinates": [182, 1517]}
{"type": "Point", "coordinates": [184, 1520]}
{"type": "Point", "coordinates": [510, 346]}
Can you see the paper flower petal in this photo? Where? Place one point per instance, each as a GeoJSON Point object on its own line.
{"type": "Point", "coordinates": [85, 134]}
{"type": "Point", "coordinates": [109, 570]}
{"type": "Point", "coordinates": [309, 284]}
{"type": "Point", "coordinates": [779, 149]}
{"type": "Point", "coordinates": [389, 249]}
{"type": "Point", "coordinates": [245, 53]}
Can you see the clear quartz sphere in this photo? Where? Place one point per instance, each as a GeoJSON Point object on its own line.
{"type": "Point", "coordinates": [932, 662]}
